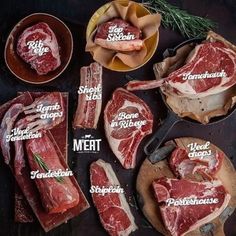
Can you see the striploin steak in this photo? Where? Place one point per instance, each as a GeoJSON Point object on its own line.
{"type": "Point", "coordinates": [112, 207]}
{"type": "Point", "coordinates": [209, 69]}
{"type": "Point", "coordinates": [38, 46]}
{"type": "Point", "coordinates": [127, 121]}
{"type": "Point", "coordinates": [185, 205]}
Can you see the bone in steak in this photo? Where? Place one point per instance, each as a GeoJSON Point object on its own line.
{"type": "Point", "coordinates": [57, 194]}
{"type": "Point", "coordinates": [113, 209]}
{"type": "Point", "coordinates": [129, 39]}
{"type": "Point", "coordinates": [210, 69]}
{"type": "Point", "coordinates": [127, 121]}
{"type": "Point", "coordinates": [32, 40]}
{"type": "Point", "coordinates": [6, 128]}
{"type": "Point", "coordinates": [181, 218]}
{"type": "Point", "coordinates": [182, 165]}
{"type": "Point", "coordinates": [89, 103]}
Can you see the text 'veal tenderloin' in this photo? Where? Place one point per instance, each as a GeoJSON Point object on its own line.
{"type": "Point", "coordinates": [126, 120]}
{"type": "Point", "coordinates": [104, 190]}
{"type": "Point", "coordinates": [199, 150]}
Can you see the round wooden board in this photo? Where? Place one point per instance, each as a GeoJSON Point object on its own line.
{"type": "Point", "coordinates": [149, 172]}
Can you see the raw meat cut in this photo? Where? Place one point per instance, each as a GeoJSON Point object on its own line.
{"type": "Point", "coordinates": [57, 194]}
{"type": "Point", "coordinates": [113, 209]}
{"type": "Point", "coordinates": [38, 46]}
{"type": "Point", "coordinates": [127, 121]}
{"type": "Point", "coordinates": [209, 69]}
{"type": "Point", "coordinates": [182, 165]}
{"type": "Point", "coordinates": [48, 111]}
{"type": "Point", "coordinates": [7, 125]}
{"type": "Point", "coordinates": [119, 35]}
{"type": "Point", "coordinates": [89, 97]}
{"type": "Point", "coordinates": [185, 205]}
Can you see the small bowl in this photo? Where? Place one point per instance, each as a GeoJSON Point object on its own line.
{"type": "Point", "coordinates": [19, 67]}
{"type": "Point", "coordinates": [151, 44]}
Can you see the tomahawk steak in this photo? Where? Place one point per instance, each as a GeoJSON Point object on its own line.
{"type": "Point", "coordinates": [112, 207]}
{"type": "Point", "coordinates": [119, 35]}
{"type": "Point", "coordinates": [38, 46]}
{"type": "Point", "coordinates": [127, 121]}
{"type": "Point", "coordinates": [209, 69]}
{"type": "Point", "coordinates": [185, 205]}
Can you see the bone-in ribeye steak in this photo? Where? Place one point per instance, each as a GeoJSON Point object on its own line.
{"type": "Point", "coordinates": [103, 31]}
{"type": "Point", "coordinates": [113, 209]}
{"type": "Point", "coordinates": [180, 219]}
{"type": "Point", "coordinates": [206, 59]}
{"type": "Point", "coordinates": [89, 104]}
{"type": "Point", "coordinates": [123, 134]}
{"type": "Point", "coordinates": [39, 34]}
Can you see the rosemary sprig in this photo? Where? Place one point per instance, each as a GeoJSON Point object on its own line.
{"type": "Point", "coordinates": [44, 166]}
{"type": "Point", "coordinates": [172, 17]}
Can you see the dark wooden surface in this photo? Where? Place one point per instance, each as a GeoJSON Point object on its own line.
{"type": "Point", "coordinates": [76, 13]}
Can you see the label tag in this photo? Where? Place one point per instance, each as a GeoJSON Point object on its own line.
{"type": "Point", "coordinates": [87, 144]}
{"type": "Point", "coordinates": [116, 33]}
{"type": "Point", "coordinates": [50, 111]}
{"type": "Point", "coordinates": [191, 201]}
{"type": "Point", "coordinates": [37, 47]}
{"type": "Point", "coordinates": [22, 134]}
{"type": "Point", "coordinates": [126, 120]}
{"type": "Point", "coordinates": [93, 93]}
{"type": "Point", "coordinates": [104, 190]}
{"type": "Point", "coordinates": [199, 151]}
{"type": "Point", "coordinates": [206, 75]}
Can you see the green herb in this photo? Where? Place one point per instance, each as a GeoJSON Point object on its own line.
{"type": "Point", "coordinates": [44, 166]}
{"type": "Point", "coordinates": [172, 17]}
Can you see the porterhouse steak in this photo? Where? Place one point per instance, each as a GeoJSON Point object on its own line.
{"type": "Point", "coordinates": [38, 46]}
{"type": "Point", "coordinates": [209, 69]}
{"type": "Point", "coordinates": [119, 35]}
{"type": "Point", "coordinates": [113, 209]}
{"type": "Point", "coordinates": [185, 205]}
{"type": "Point", "coordinates": [127, 121]}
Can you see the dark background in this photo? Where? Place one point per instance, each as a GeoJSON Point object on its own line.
{"type": "Point", "coordinates": [76, 14]}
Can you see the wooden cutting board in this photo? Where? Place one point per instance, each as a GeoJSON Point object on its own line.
{"type": "Point", "coordinates": [149, 172]}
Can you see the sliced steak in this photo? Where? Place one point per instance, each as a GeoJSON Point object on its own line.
{"type": "Point", "coordinates": [119, 35]}
{"type": "Point", "coordinates": [182, 165]}
{"type": "Point", "coordinates": [58, 194]}
{"type": "Point", "coordinates": [127, 121]}
{"type": "Point", "coordinates": [89, 97]}
{"type": "Point", "coordinates": [185, 205]}
{"type": "Point", "coordinates": [38, 46]}
{"type": "Point", "coordinates": [113, 209]}
{"type": "Point", "coordinates": [209, 69]}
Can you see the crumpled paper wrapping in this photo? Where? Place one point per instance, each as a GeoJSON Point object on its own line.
{"type": "Point", "coordinates": [199, 109]}
{"type": "Point", "coordinates": [127, 10]}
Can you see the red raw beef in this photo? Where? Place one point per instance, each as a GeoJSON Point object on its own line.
{"type": "Point", "coordinates": [182, 165]}
{"type": "Point", "coordinates": [124, 141]}
{"type": "Point", "coordinates": [210, 57]}
{"type": "Point", "coordinates": [57, 195]}
{"type": "Point", "coordinates": [113, 209]}
{"type": "Point", "coordinates": [88, 111]}
{"type": "Point", "coordinates": [49, 60]}
{"type": "Point", "coordinates": [181, 219]}
{"type": "Point", "coordinates": [101, 37]}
